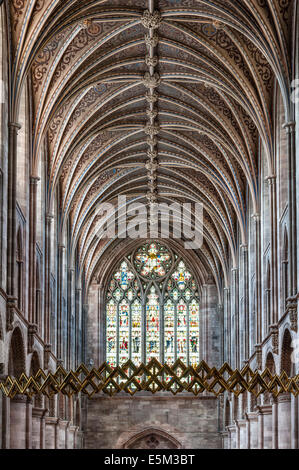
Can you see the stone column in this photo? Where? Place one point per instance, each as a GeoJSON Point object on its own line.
{"type": "Point", "coordinates": [38, 428]}
{"type": "Point", "coordinates": [253, 430]}
{"type": "Point", "coordinates": [290, 128]}
{"type": "Point", "coordinates": [284, 421]}
{"type": "Point", "coordinates": [61, 249]}
{"type": "Point", "coordinates": [32, 248]}
{"type": "Point", "coordinates": [70, 313]}
{"type": "Point", "coordinates": [265, 427]}
{"type": "Point", "coordinates": [242, 433]}
{"type": "Point", "coordinates": [47, 283]}
{"type": "Point", "coordinates": [18, 422]}
{"type": "Point", "coordinates": [232, 434]}
{"type": "Point", "coordinates": [294, 422]}
{"type": "Point", "coordinates": [29, 406]}
{"type": "Point", "coordinates": [220, 312]}
{"type": "Point", "coordinates": [274, 257]}
{"type": "Point", "coordinates": [225, 439]}
{"type": "Point", "coordinates": [51, 436]}
{"type": "Point", "coordinates": [204, 307]}
{"type": "Point", "coordinates": [257, 222]}
{"type": "Point", "coordinates": [78, 328]}
{"type": "Point", "coordinates": [235, 282]}
{"type": "Point", "coordinates": [274, 402]}
{"type": "Point", "coordinates": [11, 207]}
{"type": "Point", "coordinates": [5, 420]}
{"type": "Point", "coordinates": [62, 434]}
{"type": "Point", "coordinates": [227, 317]}
{"type": "Point", "coordinates": [245, 313]}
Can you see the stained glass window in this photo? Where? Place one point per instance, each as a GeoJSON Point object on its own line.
{"type": "Point", "coordinates": [152, 309]}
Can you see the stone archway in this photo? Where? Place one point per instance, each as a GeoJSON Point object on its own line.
{"type": "Point", "coordinates": [18, 405]}
{"type": "Point", "coordinates": [16, 361]}
{"type": "Point", "coordinates": [152, 439]}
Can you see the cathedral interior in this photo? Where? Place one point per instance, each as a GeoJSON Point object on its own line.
{"type": "Point", "coordinates": [149, 102]}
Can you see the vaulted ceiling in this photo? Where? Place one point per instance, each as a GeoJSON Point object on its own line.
{"type": "Point", "coordinates": [156, 100]}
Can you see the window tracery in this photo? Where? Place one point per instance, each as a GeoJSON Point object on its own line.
{"type": "Point", "coordinates": [152, 309]}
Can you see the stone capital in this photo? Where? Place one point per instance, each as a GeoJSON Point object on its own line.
{"type": "Point", "coordinates": [289, 127]}
{"type": "Point", "coordinates": [49, 218]}
{"type": "Point", "coordinates": [256, 217]}
{"type": "Point", "coordinates": [14, 126]}
{"type": "Point", "coordinates": [34, 179]}
{"type": "Point", "coordinates": [271, 180]}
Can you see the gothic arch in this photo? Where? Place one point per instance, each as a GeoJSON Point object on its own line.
{"type": "Point", "coordinates": [227, 413]}
{"type": "Point", "coordinates": [287, 365]}
{"type": "Point", "coordinates": [152, 438]}
{"type": "Point", "coordinates": [270, 365]}
{"type": "Point", "coordinates": [16, 362]}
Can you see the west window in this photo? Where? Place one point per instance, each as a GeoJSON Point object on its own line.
{"type": "Point", "coordinates": [152, 309]}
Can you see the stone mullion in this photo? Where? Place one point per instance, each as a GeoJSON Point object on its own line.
{"type": "Point", "coordinates": [130, 329]}
{"type": "Point", "coordinates": [204, 344]}
{"type": "Point", "coordinates": [117, 335]}
{"type": "Point", "coordinates": [274, 258]}
{"type": "Point", "coordinates": [188, 334]}
{"type": "Point", "coordinates": [11, 209]}
{"type": "Point", "coordinates": [32, 249]}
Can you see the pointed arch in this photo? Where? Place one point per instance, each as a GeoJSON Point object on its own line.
{"type": "Point", "coordinates": [286, 364]}
{"type": "Point", "coordinates": [152, 438]}
{"type": "Point", "coordinates": [16, 360]}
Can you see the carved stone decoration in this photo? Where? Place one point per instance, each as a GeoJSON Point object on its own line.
{"type": "Point", "coordinates": [47, 353]}
{"type": "Point", "coordinates": [151, 81]}
{"type": "Point", "coordinates": [151, 20]}
{"type": "Point", "coordinates": [152, 97]}
{"type": "Point", "coordinates": [152, 154]}
{"type": "Point", "coordinates": [151, 41]}
{"type": "Point", "coordinates": [275, 339]}
{"type": "Point", "coordinates": [152, 187]}
{"type": "Point", "coordinates": [151, 61]}
{"type": "Point", "coordinates": [10, 313]}
{"type": "Point", "coordinates": [151, 197]}
{"type": "Point", "coordinates": [32, 332]}
{"type": "Point", "coordinates": [150, 166]}
{"type": "Point", "coordinates": [152, 113]}
{"type": "Point", "coordinates": [292, 311]}
{"type": "Point", "coordinates": [259, 356]}
{"type": "Point", "coordinates": [152, 129]}
{"type": "Point", "coordinates": [152, 141]}
{"type": "Point", "coordinates": [152, 176]}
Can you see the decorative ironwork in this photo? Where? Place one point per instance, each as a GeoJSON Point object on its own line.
{"type": "Point", "coordinates": [153, 377]}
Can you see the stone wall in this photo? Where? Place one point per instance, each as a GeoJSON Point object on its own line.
{"type": "Point", "coordinates": [112, 422]}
